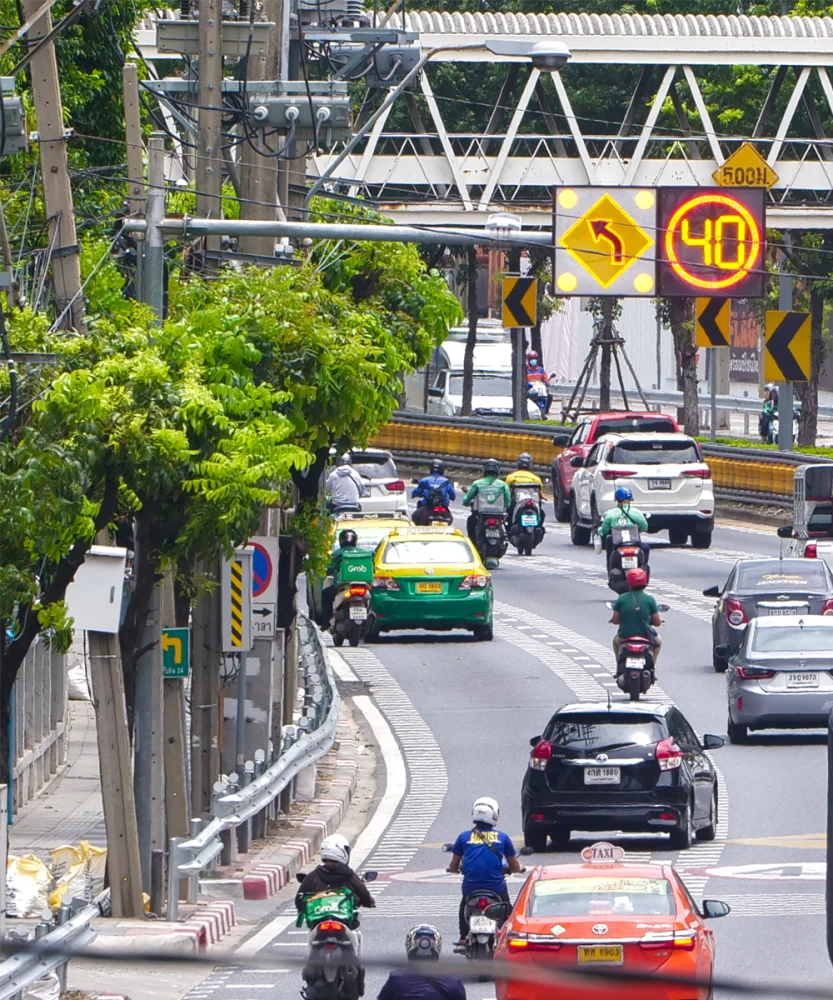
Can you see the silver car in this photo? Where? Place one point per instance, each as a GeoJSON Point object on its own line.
{"type": "Point", "coordinates": [781, 676]}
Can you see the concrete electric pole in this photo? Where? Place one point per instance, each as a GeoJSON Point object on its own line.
{"type": "Point", "coordinates": [209, 152]}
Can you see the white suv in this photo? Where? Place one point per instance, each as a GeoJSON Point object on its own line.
{"type": "Point", "coordinates": [666, 473]}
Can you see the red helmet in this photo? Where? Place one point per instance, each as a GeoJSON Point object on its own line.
{"type": "Point", "coordinates": [636, 578]}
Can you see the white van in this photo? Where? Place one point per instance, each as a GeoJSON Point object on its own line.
{"type": "Point", "coordinates": [491, 394]}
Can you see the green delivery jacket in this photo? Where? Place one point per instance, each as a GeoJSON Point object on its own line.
{"type": "Point", "coordinates": [623, 515]}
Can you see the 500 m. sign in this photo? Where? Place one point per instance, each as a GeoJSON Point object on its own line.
{"type": "Point", "coordinates": [711, 242]}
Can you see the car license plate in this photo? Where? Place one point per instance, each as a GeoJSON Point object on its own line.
{"type": "Point", "coordinates": [478, 924]}
{"type": "Point", "coordinates": [802, 681]}
{"type": "Point", "coordinates": [630, 562]}
{"type": "Point", "coordinates": [529, 520]}
{"type": "Point", "coordinates": [429, 588]}
{"type": "Point", "coordinates": [600, 954]}
{"type": "Point", "coordinates": [634, 663]}
{"type": "Point", "coordinates": [783, 611]}
{"type": "Point", "coordinates": [493, 533]}
{"type": "Point", "coordinates": [602, 775]}
{"type": "Point", "coordinates": [659, 484]}
{"type": "Point", "coordinates": [358, 613]}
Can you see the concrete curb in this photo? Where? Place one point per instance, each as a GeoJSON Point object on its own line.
{"type": "Point", "coordinates": [269, 869]}
{"type": "Point", "coordinates": [205, 926]}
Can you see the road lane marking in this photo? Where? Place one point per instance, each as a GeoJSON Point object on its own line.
{"type": "Point", "coordinates": [340, 668]}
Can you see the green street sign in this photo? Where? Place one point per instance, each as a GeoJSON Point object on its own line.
{"type": "Point", "coordinates": [176, 652]}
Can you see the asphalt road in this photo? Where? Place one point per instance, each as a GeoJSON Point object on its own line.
{"type": "Point", "coordinates": [463, 712]}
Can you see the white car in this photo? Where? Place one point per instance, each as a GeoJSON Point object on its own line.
{"type": "Point", "coordinates": [491, 395]}
{"type": "Point", "coordinates": [385, 490]}
{"type": "Point", "coordinates": [666, 473]}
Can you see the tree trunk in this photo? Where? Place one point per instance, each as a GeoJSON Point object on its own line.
{"type": "Point", "coordinates": [808, 392]}
{"type": "Point", "coordinates": [471, 337]}
{"type": "Point", "coordinates": [682, 330]}
{"type": "Point", "coordinates": [606, 333]}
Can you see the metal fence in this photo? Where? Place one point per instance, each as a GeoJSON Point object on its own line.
{"type": "Point", "coordinates": [243, 804]}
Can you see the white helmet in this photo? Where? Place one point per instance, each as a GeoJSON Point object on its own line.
{"type": "Point", "coordinates": [485, 810]}
{"type": "Point", "coordinates": [335, 848]}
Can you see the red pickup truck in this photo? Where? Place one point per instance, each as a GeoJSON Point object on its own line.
{"type": "Point", "coordinates": [585, 434]}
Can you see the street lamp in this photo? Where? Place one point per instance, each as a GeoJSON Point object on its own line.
{"type": "Point", "coordinates": [545, 54]}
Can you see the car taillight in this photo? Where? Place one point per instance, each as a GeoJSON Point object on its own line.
{"type": "Point", "coordinates": [754, 673]}
{"type": "Point", "coordinates": [697, 473]}
{"type": "Point", "coordinates": [683, 942]}
{"type": "Point", "coordinates": [828, 608]}
{"type": "Point", "coordinates": [811, 550]}
{"type": "Point", "coordinates": [517, 940]}
{"type": "Point", "coordinates": [331, 926]}
{"type": "Point", "coordinates": [384, 583]}
{"type": "Point", "coordinates": [358, 589]}
{"type": "Point", "coordinates": [397, 486]}
{"type": "Point", "coordinates": [610, 474]}
{"type": "Point", "coordinates": [473, 580]}
{"type": "Point", "coordinates": [669, 755]}
{"type": "Point", "coordinates": [529, 503]}
{"type": "Point", "coordinates": [540, 755]}
{"type": "Point", "coordinates": [735, 612]}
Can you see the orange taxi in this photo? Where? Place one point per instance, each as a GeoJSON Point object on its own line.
{"type": "Point", "coordinates": [607, 914]}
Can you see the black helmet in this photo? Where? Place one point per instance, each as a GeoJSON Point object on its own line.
{"type": "Point", "coordinates": [437, 466]}
{"type": "Point", "coordinates": [347, 538]}
{"type": "Point", "coordinates": [491, 467]}
{"type": "Point", "coordinates": [524, 460]}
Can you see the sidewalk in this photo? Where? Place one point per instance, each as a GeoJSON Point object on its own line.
{"type": "Point", "coordinates": [69, 809]}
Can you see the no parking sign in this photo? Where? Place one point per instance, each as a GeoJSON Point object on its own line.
{"type": "Point", "coordinates": [264, 585]}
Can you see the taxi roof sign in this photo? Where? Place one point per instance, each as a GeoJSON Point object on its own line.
{"type": "Point", "coordinates": [603, 853]}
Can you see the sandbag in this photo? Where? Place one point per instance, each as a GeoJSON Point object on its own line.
{"type": "Point", "coordinates": [77, 687]}
{"type": "Point", "coordinates": [27, 886]}
{"type": "Point", "coordinates": [78, 872]}
{"type": "Point", "coordinates": [48, 988]}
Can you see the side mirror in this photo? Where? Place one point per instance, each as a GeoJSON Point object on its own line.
{"type": "Point", "coordinates": [561, 440]}
{"type": "Point", "coordinates": [711, 742]}
{"type": "Point", "coordinates": [448, 848]}
{"type": "Point", "coordinates": [576, 461]}
{"type": "Point", "coordinates": [714, 908]}
{"type": "Point", "coordinates": [435, 393]}
{"type": "Point", "coordinates": [663, 607]}
{"type": "Point", "coordinates": [785, 531]}
{"type": "Point", "coordinates": [370, 876]}
{"type": "Point", "coordinates": [415, 482]}
{"type": "Point", "coordinates": [300, 876]}
{"type": "Point", "coordinates": [534, 741]}
{"type": "Point", "coordinates": [723, 650]}
{"type": "Point", "coordinates": [609, 604]}
{"type": "Point", "coordinates": [712, 592]}
{"type": "Point", "coordinates": [497, 911]}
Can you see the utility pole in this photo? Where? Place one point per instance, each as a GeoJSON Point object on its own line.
{"type": "Point", "coordinates": [785, 389]}
{"type": "Point", "coordinates": [135, 161]}
{"type": "Point", "coordinates": [209, 152]}
{"type": "Point", "coordinates": [259, 170]}
{"type": "Point", "coordinates": [205, 694]}
{"type": "Point", "coordinates": [57, 191]}
{"type": "Point", "coordinates": [153, 265]}
{"type": "Point", "coordinates": [176, 799]}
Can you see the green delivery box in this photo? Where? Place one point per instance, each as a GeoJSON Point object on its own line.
{"type": "Point", "coordinates": [336, 905]}
{"type": "Point", "coordinates": [356, 567]}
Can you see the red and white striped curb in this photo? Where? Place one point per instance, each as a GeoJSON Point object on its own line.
{"type": "Point", "coordinates": [213, 920]}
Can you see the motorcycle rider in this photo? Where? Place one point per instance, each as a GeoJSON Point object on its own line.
{"type": "Point", "coordinates": [623, 513]}
{"type": "Point", "coordinates": [636, 613]}
{"type": "Point", "coordinates": [482, 853]}
{"type": "Point", "coordinates": [769, 411]}
{"type": "Point", "coordinates": [348, 544]}
{"type": "Point", "coordinates": [435, 480]}
{"type": "Point", "coordinates": [344, 484]}
{"type": "Point", "coordinates": [491, 477]}
{"type": "Point", "coordinates": [334, 872]}
{"type": "Point", "coordinates": [423, 944]}
{"type": "Point", "coordinates": [524, 476]}
{"type": "Point", "coordinates": [535, 372]}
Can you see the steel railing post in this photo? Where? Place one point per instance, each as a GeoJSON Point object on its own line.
{"type": "Point", "coordinates": [172, 912]}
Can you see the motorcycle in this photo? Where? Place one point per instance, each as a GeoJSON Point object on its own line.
{"type": "Point", "coordinates": [772, 429]}
{"type": "Point", "coordinates": [490, 537]}
{"type": "Point", "coordinates": [351, 605]}
{"type": "Point", "coordinates": [333, 970]}
{"type": "Point", "coordinates": [485, 913]}
{"type": "Point", "coordinates": [635, 671]}
{"type": "Point", "coordinates": [526, 529]}
{"type": "Point", "coordinates": [537, 392]}
{"type": "Point", "coordinates": [434, 509]}
{"type": "Point", "coordinates": [625, 553]}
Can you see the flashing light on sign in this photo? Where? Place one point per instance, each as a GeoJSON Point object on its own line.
{"type": "Point", "coordinates": [711, 242]}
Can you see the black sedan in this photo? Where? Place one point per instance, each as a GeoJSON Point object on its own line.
{"type": "Point", "coordinates": [764, 587]}
{"type": "Point", "coordinates": [630, 767]}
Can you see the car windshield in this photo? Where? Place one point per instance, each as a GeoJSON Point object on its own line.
{"type": "Point", "coordinates": [803, 574]}
{"type": "Point", "coordinates": [656, 453]}
{"type": "Point", "coordinates": [796, 639]}
{"type": "Point", "coordinates": [418, 552]}
{"type": "Point", "coordinates": [602, 895]}
{"type": "Point", "coordinates": [484, 385]}
{"type": "Point", "coordinates": [633, 425]}
{"type": "Point", "coordinates": [374, 466]}
{"type": "Point", "coordinates": [370, 537]}
{"type": "Point", "coordinates": [600, 731]}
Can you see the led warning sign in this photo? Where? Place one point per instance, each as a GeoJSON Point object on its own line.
{"type": "Point", "coordinates": [711, 242]}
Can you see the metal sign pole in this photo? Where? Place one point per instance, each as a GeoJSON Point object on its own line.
{"type": "Point", "coordinates": [518, 375]}
{"type": "Point", "coordinates": [712, 357]}
{"type": "Point", "coordinates": [785, 389]}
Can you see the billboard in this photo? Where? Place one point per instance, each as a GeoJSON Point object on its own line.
{"type": "Point", "coordinates": [744, 342]}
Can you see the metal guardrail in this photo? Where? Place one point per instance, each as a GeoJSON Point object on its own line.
{"type": "Point", "coordinates": [20, 971]}
{"type": "Point", "coordinates": [241, 803]}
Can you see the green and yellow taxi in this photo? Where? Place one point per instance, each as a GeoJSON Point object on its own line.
{"type": "Point", "coordinates": [430, 578]}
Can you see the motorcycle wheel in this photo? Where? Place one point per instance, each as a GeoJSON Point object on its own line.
{"type": "Point", "coordinates": [633, 686]}
{"type": "Point", "coordinates": [338, 639]}
{"type": "Point", "coordinates": [320, 989]}
{"type": "Point", "coordinates": [480, 952]}
{"type": "Point", "coordinates": [355, 633]}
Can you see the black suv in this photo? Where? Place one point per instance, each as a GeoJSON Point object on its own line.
{"type": "Point", "coordinates": [635, 767]}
